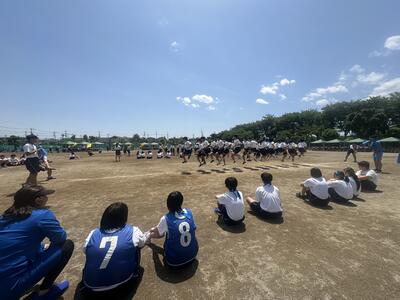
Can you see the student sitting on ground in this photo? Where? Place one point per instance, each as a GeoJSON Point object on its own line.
{"type": "Point", "coordinates": [3, 161]}
{"type": "Point", "coordinates": [112, 251]}
{"type": "Point", "coordinates": [13, 161]}
{"type": "Point", "coordinates": [231, 205]}
{"type": "Point", "coordinates": [315, 189]}
{"type": "Point", "coordinates": [73, 156]}
{"type": "Point", "coordinates": [168, 154]}
{"type": "Point", "coordinates": [160, 154]}
{"type": "Point", "coordinates": [179, 229]}
{"type": "Point", "coordinates": [368, 178]}
{"type": "Point", "coordinates": [354, 181]}
{"type": "Point", "coordinates": [339, 188]}
{"type": "Point", "coordinates": [267, 203]}
{"type": "Point", "coordinates": [24, 261]}
{"type": "Point", "coordinates": [149, 154]}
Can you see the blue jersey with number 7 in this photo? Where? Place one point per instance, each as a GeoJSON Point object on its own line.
{"type": "Point", "coordinates": [180, 244]}
{"type": "Point", "coordinates": [111, 258]}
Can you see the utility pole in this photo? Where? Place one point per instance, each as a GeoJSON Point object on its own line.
{"type": "Point", "coordinates": [156, 134]}
{"type": "Point", "coordinates": [65, 134]}
{"type": "Point", "coordinates": [31, 130]}
{"type": "Point", "coordinates": [54, 135]}
{"type": "Point", "coordinates": [99, 133]}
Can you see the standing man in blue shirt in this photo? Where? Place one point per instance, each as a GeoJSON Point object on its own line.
{"type": "Point", "coordinates": [24, 261]}
{"type": "Point", "coordinates": [377, 149]}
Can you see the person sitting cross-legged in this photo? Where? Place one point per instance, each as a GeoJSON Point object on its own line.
{"type": "Point", "coordinates": [368, 178]}
{"type": "Point", "coordinates": [267, 203]}
{"type": "Point", "coordinates": [24, 260]}
{"type": "Point", "coordinates": [315, 189]}
{"type": "Point", "coordinates": [231, 205]}
{"type": "Point", "coordinates": [339, 188]}
{"type": "Point", "coordinates": [112, 252]}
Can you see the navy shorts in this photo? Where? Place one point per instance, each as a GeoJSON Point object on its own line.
{"type": "Point", "coordinates": [225, 217]}
{"type": "Point", "coordinates": [187, 152]}
{"type": "Point", "coordinates": [237, 150]}
{"type": "Point", "coordinates": [32, 164]}
{"type": "Point", "coordinates": [117, 152]}
{"type": "Point", "coordinates": [255, 207]}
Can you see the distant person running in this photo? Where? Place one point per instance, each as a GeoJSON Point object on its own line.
{"type": "Point", "coordinates": [315, 189]}
{"type": "Point", "coordinates": [230, 205]}
{"type": "Point", "coordinates": [236, 148]}
{"type": "Point", "coordinates": [117, 152]}
{"type": "Point", "coordinates": [43, 157]}
{"type": "Point", "coordinates": [302, 147]}
{"type": "Point", "coordinates": [179, 229]}
{"type": "Point", "coordinates": [24, 260]}
{"type": "Point", "coordinates": [186, 150]}
{"type": "Point", "coordinates": [112, 252]}
{"type": "Point", "coordinates": [367, 177]}
{"type": "Point", "coordinates": [267, 203]}
{"type": "Point", "coordinates": [32, 162]}
{"type": "Point", "coordinates": [352, 150]}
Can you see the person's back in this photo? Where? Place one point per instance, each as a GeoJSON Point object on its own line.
{"type": "Point", "coordinates": [269, 198]}
{"type": "Point", "coordinates": [112, 250]}
{"type": "Point", "coordinates": [339, 187]}
{"type": "Point", "coordinates": [318, 187]}
{"type": "Point", "coordinates": [230, 204]}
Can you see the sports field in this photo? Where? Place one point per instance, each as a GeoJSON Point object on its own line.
{"type": "Point", "coordinates": [340, 252]}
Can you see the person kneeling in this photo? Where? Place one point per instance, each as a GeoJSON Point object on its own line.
{"type": "Point", "coordinates": [339, 188]}
{"type": "Point", "coordinates": [267, 203]}
{"type": "Point", "coordinates": [368, 178]}
{"type": "Point", "coordinates": [179, 229]}
{"type": "Point", "coordinates": [112, 251]}
{"type": "Point", "coordinates": [230, 204]}
{"type": "Point", "coordinates": [315, 189]}
{"type": "Point", "coordinates": [24, 260]}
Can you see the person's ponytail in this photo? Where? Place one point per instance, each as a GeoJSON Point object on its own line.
{"type": "Point", "coordinates": [346, 179]}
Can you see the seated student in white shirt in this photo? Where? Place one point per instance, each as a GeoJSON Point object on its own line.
{"type": "Point", "coordinates": [13, 161]}
{"type": "Point", "coordinates": [339, 188]}
{"type": "Point", "coordinates": [354, 181]}
{"type": "Point", "coordinates": [149, 154]}
{"type": "Point", "coordinates": [368, 178]}
{"type": "Point", "coordinates": [231, 205]}
{"type": "Point", "coordinates": [160, 154]}
{"type": "Point", "coordinates": [3, 160]}
{"type": "Point", "coordinates": [315, 189]}
{"type": "Point", "coordinates": [267, 203]}
{"type": "Point", "coordinates": [168, 154]}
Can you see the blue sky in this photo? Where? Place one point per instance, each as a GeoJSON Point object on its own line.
{"type": "Point", "coordinates": [179, 67]}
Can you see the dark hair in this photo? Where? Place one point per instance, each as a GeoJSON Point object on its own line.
{"type": "Point", "coordinates": [31, 137]}
{"type": "Point", "coordinates": [351, 173]}
{"type": "Point", "coordinates": [114, 216]}
{"type": "Point", "coordinates": [316, 172]}
{"type": "Point", "coordinates": [231, 183]}
{"type": "Point", "coordinates": [266, 177]}
{"type": "Point", "coordinates": [174, 201]}
{"type": "Point", "coordinates": [24, 202]}
{"type": "Point", "coordinates": [340, 175]}
{"type": "Point", "coordinates": [364, 164]}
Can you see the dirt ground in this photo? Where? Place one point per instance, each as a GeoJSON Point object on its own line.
{"type": "Point", "coordinates": [343, 252]}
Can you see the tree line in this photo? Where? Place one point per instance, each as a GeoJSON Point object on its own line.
{"type": "Point", "coordinates": [374, 117]}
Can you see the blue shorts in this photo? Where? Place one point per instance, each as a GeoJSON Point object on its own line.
{"type": "Point", "coordinates": [14, 287]}
{"type": "Point", "coordinates": [377, 155]}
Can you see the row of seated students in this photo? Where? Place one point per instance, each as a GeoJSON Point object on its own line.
{"type": "Point", "coordinates": [11, 161]}
{"type": "Point", "coordinates": [113, 250]}
{"type": "Point", "coordinates": [140, 154]}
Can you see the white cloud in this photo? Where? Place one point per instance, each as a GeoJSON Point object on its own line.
{"type": "Point", "coordinates": [393, 42]}
{"type": "Point", "coordinates": [322, 102]}
{"type": "Point", "coordinates": [371, 78]}
{"type": "Point", "coordinates": [357, 69]}
{"type": "Point", "coordinates": [175, 46]}
{"type": "Point", "coordinates": [211, 107]}
{"type": "Point", "coordinates": [387, 87]}
{"type": "Point", "coordinates": [203, 99]}
{"type": "Point", "coordinates": [261, 101]}
{"type": "Point", "coordinates": [269, 89]}
{"type": "Point", "coordinates": [336, 88]}
{"type": "Point", "coordinates": [377, 53]}
{"type": "Point", "coordinates": [195, 105]}
{"type": "Point", "coordinates": [286, 81]}
{"type": "Point", "coordinates": [282, 96]}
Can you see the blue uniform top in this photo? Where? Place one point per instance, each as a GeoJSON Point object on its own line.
{"type": "Point", "coordinates": [376, 146]}
{"type": "Point", "coordinates": [20, 240]}
{"type": "Point", "coordinates": [42, 153]}
{"type": "Point", "coordinates": [180, 244]}
{"type": "Point", "coordinates": [112, 258]}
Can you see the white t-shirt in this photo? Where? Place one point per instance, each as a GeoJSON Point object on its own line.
{"type": "Point", "coordinates": [318, 187]}
{"type": "Point", "coordinates": [30, 148]}
{"type": "Point", "coordinates": [370, 173]}
{"type": "Point", "coordinates": [353, 184]}
{"type": "Point", "coordinates": [188, 145]}
{"type": "Point", "coordinates": [342, 188]}
{"type": "Point", "coordinates": [269, 199]}
{"type": "Point", "coordinates": [234, 204]}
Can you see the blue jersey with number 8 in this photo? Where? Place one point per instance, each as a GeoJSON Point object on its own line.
{"type": "Point", "coordinates": [180, 244]}
{"type": "Point", "coordinates": [111, 258]}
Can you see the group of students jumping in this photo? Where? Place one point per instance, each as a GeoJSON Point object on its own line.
{"type": "Point", "coordinates": [243, 150]}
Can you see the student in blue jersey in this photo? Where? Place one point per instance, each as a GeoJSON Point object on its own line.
{"type": "Point", "coordinates": [179, 229]}
{"type": "Point", "coordinates": [24, 260]}
{"type": "Point", "coordinates": [230, 205]}
{"type": "Point", "coordinates": [112, 251]}
{"type": "Point", "coordinates": [43, 158]}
